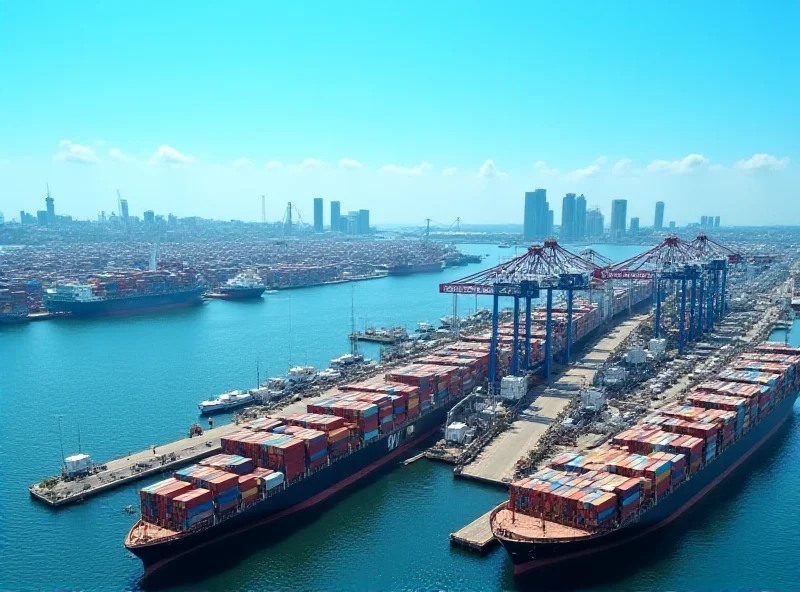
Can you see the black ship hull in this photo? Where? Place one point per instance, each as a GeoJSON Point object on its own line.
{"type": "Point", "coordinates": [301, 497]}
{"type": "Point", "coordinates": [408, 269]}
{"type": "Point", "coordinates": [546, 560]}
{"type": "Point", "coordinates": [126, 306]}
{"type": "Point", "coordinates": [237, 293]}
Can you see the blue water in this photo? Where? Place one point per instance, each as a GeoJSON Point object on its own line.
{"type": "Point", "coordinates": [131, 382]}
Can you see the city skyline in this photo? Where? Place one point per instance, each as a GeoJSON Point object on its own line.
{"type": "Point", "coordinates": [437, 128]}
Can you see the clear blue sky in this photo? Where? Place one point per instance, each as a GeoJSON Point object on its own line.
{"type": "Point", "coordinates": [609, 98]}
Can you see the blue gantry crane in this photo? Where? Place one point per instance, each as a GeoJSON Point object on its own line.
{"type": "Point", "coordinates": [542, 268]}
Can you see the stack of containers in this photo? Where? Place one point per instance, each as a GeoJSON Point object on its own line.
{"type": "Point", "coordinates": [192, 508]}
{"type": "Point", "coordinates": [232, 463]}
{"type": "Point", "coordinates": [278, 452]}
{"type": "Point", "coordinates": [658, 471]}
{"type": "Point", "coordinates": [156, 501]}
{"type": "Point", "coordinates": [364, 415]}
{"type": "Point", "coordinates": [399, 407]}
{"type": "Point", "coordinates": [263, 424]}
{"type": "Point", "coordinates": [224, 486]}
{"type": "Point", "coordinates": [316, 445]}
{"type": "Point", "coordinates": [738, 405]}
{"type": "Point", "coordinates": [267, 480]}
{"type": "Point", "coordinates": [338, 442]}
{"type": "Point", "coordinates": [248, 489]}
{"type": "Point", "coordinates": [385, 409]}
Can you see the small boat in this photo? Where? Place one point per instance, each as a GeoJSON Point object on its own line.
{"type": "Point", "coordinates": [347, 360]}
{"type": "Point", "coordinates": [425, 328]}
{"type": "Point", "coordinates": [225, 402]}
{"type": "Point", "coordinates": [329, 374]}
{"type": "Point", "coordinates": [503, 246]}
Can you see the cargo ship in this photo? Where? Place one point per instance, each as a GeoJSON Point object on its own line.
{"type": "Point", "coordinates": [343, 438]}
{"type": "Point", "coordinates": [582, 510]}
{"type": "Point", "coordinates": [13, 306]}
{"type": "Point", "coordinates": [242, 287]}
{"type": "Point", "coordinates": [122, 294]}
{"type": "Point", "coordinates": [409, 268]}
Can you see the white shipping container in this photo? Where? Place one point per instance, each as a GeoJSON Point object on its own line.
{"type": "Point", "coordinates": [456, 432]}
{"type": "Point", "coordinates": [273, 480]}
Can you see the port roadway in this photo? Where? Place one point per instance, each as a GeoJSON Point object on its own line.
{"type": "Point", "coordinates": [133, 467]}
{"type": "Point", "coordinates": [496, 462]}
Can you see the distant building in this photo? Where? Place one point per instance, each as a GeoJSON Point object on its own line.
{"type": "Point", "coordinates": [658, 224]}
{"type": "Point", "coordinates": [41, 217]}
{"type": "Point", "coordinates": [634, 225]}
{"type": "Point", "coordinates": [595, 223]}
{"type": "Point", "coordinates": [172, 220]}
{"type": "Point", "coordinates": [568, 217]}
{"type": "Point", "coordinates": [336, 214]}
{"type": "Point", "coordinates": [709, 221]}
{"type": "Point", "coordinates": [536, 215]}
{"type": "Point", "coordinates": [619, 218]}
{"type": "Point", "coordinates": [363, 221]}
{"type": "Point", "coordinates": [318, 214]}
{"type": "Point", "coordinates": [352, 223]}
{"type": "Point", "coordinates": [22, 217]}
{"type": "Point", "coordinates": [716, 221]}
{"type": "Point", "coordinates": [123, 206]}
{"type": "Point", "coordinates": [2, 219]}
{"type": "Point", "coordinates": [580, 217]}
{"type": "Point", "coordinates": [550, 230]}
{"type": "Point", "coordinates": [703, 221]}
{"type": "Point", "coordinates": [672, 225]}
{"type": "Point", "coordinates": [149, 218]}
{"type": "Point", "coordinates": [51, 208]}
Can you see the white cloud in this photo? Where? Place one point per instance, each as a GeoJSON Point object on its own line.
{"type": "Point", "coordinates": [450, 172]}
{"type": "Point", "coordinates": [242, 163]}
{"type": "Point", "coordinates": [585, 172]}
{"type": "Point", "coordinates": [119, 155]}
{"type": "Point", "coordinates": [542, 168]}
{"type": "Point", "coordinates": [307, 165]}
{"type": "Point", "coordinates": [622, 167]}
{"type": "Point", "coordinates": [763, 161]}
{"type": "Point", "coordinates": [687, 164]}
{"type": "Point", "coordinates": [169, 155]}
{"type": "Point", "coordinates": [274, 164]}
{"type": "Point", "coordinates": [489, 170]}
{"type": "Point", "coordinates": [420, 169]}
{"type": "Point", "coordinates": [100, 142]}
{"type": "Point", "coordinates": [75, 153]}
{"type": "Point", "coordinates": [350, 164]}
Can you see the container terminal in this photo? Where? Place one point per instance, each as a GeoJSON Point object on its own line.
{"type": "Point", "coordinates": [436, 386]}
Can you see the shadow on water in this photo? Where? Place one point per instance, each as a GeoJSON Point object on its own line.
{"type": "Point", "coordinates": [619, 564]}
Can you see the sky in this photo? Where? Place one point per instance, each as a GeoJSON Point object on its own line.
{"type": "Point", "coordinates": [413, 109]}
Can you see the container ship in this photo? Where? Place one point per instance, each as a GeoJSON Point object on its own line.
{"type": "Point", "coordinates": [242, 287]}
{"type": "Point", "coordinates": [582, 510]}
{"type": "Point", "coordinates": [409, 268]}
{"type": "Point", "coordinates": [121, 294]}
{"type": "Point", "coordinates": [288, 465]}
{"type": "Point", "coordinates": [13, 306]}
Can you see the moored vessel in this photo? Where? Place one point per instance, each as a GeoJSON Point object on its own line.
{"type": "Point", "coordinates": [581, 510]}
{"type": "Point", "coordinates": [244, 286]}
{"type": "Point", "coordinates": [225, 402]}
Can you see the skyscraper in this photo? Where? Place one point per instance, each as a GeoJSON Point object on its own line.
{"type": "Point", "coordinates": [580, 217]}
{"type": "Point", "coordinates": [41, 217]}
{"type": "Point", "coordinates": [619, 218]}
{"type": "Point", "coordinates": [594, 223]}
{"type": "Point", "coordinates": [336, 214]}
{"type": "Point", "coordinates": [672, 225]}
{"type": "Point", "coordinates": [149, 218]}
{"type": "Point", "coordinates": [703, 221]}
{"type": "Point", "coordinates": [535, 222]}
{"type": "Point", "coordinates": [51, 208]}
{"type": "Point", "coordinates": [634, 224]}
{"type": "Point", "coordinates": [317, 214]}
{"type": "Point", "coordinates": [716, 221]}
{"type": "Point", "coordinates": [658, 224]}
{"type": "Point", "coordinates": [550, 230]}
{"type": "Point", "coordinates": [568, 217]}
{"type": "Point", "coordinates": [353, 220]}
{"type": "Point", "coordinates": [123, 206]}
{"type": "Point", "coordinates": [363, 221]}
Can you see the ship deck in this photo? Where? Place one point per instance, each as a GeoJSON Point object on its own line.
{"type": "Point", "coordinates": [144, 532]}
{"type": "Point", "coordinates": [530, 528]}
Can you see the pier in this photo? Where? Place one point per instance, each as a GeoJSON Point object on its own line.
{"type": "Point", "coordinates": [56, 491]}
{"type": "Point", "coordinates": [477, 535]}
{"type": "Point", "coordinates": [495, 463]}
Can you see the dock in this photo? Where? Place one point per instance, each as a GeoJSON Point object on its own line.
{"type": "Point", "coordinates": [495, 464]}
{"type": "Point", "coordinates": [477, 535]}
{"type": "Point", "coordinates": [56, 492]}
